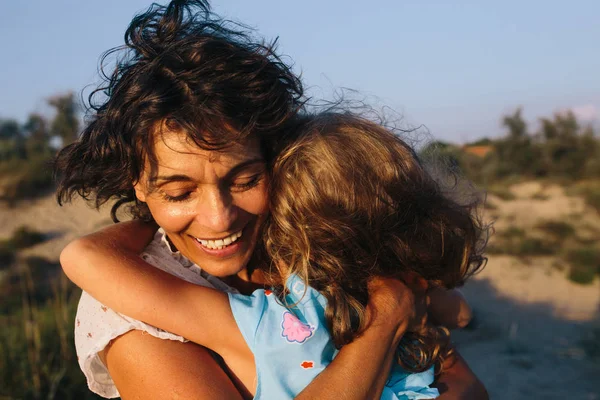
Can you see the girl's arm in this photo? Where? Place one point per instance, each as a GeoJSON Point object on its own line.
{"type": "Point", "coordinates": [106, 264]}
{"type": "Point", "coordinates": [113, 273]}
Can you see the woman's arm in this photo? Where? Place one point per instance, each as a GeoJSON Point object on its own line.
{"type": "Point", "coordinates": [365, 362]}
{"type": "Point", "coordinates": [145, 367]}
{"type": "Point", "coordinates": [106, 265]}
{"type": "Point", "coordinates": [113, 273]}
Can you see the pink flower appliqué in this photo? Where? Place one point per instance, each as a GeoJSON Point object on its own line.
{"type": "Point", "coordinates": [294, 330]}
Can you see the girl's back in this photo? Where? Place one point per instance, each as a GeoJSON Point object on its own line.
{"type": "Point", "coordinates": [292, 344]}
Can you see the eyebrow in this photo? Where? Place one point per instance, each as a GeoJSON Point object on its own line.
{"type": "Point", "coordinates": [164, 179]}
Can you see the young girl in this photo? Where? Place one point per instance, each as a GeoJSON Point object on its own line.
{"type": "Point", "coordinates": [351, 203]}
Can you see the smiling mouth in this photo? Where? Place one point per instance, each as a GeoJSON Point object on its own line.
{"type": "Point", "coordinates": [220, 243]}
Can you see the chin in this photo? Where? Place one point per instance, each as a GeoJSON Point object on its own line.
{"type": "Point", "coordinates": [224, 269]}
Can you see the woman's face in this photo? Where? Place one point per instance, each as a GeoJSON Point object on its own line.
{"type": "Point", "coordinates": [211, 204]}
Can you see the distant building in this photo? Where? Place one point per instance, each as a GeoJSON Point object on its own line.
{"type": "Point", "coordinates": [479, 151]}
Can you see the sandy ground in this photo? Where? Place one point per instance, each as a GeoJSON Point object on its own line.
{"type": "Point", "coordinates": [530, 320]}
{"type": "Point", "coordinates": [526, 338]}
{"type": "Point", "coordinates": [61, 224]}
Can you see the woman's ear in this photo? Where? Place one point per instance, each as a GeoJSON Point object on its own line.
{"type": "Point", "coordinates": [140, 191]}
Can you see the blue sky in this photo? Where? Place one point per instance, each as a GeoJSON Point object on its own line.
{"type": "Point", "coordinates": [454, 66]}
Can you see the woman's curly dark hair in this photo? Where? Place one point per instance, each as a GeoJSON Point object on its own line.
{"type": "Point", "coordinates": [185, 69]}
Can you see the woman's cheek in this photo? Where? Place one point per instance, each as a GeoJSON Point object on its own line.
{"type": "Point", "coordinates": [173, 217]}
{"type": "Point", "coordinates": [257, 202]}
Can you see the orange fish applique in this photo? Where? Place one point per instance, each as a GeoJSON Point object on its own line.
{"type": "Point", "coordinates": [307, 364]}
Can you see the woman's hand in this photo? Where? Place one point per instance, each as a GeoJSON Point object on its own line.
{"type": "Point", "coordinates": [393, 305]}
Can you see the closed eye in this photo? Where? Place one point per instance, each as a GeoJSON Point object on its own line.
{"type": "Point", "coordinates": [180, 197]}
{"type": "Point", "coordinates": [241, 185]}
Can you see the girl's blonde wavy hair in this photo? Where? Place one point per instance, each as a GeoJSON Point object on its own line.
{"type": "Point", "coordinates": [350, 201]}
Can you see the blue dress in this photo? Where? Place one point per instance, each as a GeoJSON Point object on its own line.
{"type": "Point", "coordinates": [292, 345]}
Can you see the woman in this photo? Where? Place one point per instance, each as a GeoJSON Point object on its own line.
{"type": "Point", "coordinates": [192, 117]}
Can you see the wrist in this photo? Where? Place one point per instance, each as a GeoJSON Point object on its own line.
{"type": "Point", "coordinates": [385, 323]}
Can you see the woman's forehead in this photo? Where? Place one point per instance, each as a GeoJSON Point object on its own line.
{"type": "Point", "coordinates": [179, 144]}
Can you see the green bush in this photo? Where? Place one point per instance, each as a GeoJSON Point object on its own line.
{"type": "Point", "coordinates": [589, 190]}
{"type": "Point", "coordinates": [534, 247]}
{"type": "Point", "coordinates": [592, 198]}
{"type": "Point", "coordinates": [29, 179]}
{"type": "Point", "coordinates": [7, 257]}
{"type": "Point", "coordinates": [512, 232]}
{"type": "Point", "coordinates": [37, 357]}
{"type": "Point", "coordinates": [502, 192]}
{"type": "Point", "coordinates": [559, 230]}
{"type": "Point", "coordinates": [588, 256]}
{"type": "Point", "coordinates": [584, 264]}
{"type": "Point", "coordinates": [513, 241]}
{"type": "Point", "coordinates": [582, 275]}
{"type": "Point", "coordinates": [24, 237]}
{"type": "Point", "coordinates": [523, 247]}
{"type": "Point", "coordinates": [490, 206]}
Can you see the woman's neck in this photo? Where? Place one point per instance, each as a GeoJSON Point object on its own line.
{"type": "Point", "coordinates": [246, 282]}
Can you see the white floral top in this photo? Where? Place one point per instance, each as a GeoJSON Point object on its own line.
{"type": "Point", "coordinates": [96, 325]}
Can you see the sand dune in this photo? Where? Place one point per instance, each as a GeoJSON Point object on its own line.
{"type": "Point", "coordinates": [62, 224]}
{"type": "Point", "coordinates": [530, 320]}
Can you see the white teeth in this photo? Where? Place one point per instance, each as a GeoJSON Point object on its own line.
{"type": "Point", "coordinates": [220, 243]}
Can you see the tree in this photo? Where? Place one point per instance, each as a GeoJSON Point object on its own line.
{"type": "Point", "coordinates": [516, 125]}
{"type": "Point", "coordinates": [563, 153]}
{"type": "Point", "coordinates": [517, 154]}
{"type": "Point", "coordinates": [9, 129]}
{"type": "Point", "coordinates": [38, 136]}
{"type": "Point", "coordinates": [37, 127]}
{"type": "Point", "coordinates": [65, 124]}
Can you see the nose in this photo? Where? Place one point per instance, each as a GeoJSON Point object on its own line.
{"type": "Point", "coordinates": [216, 210]}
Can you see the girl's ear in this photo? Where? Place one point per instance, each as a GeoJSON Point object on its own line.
{"type": "Point", "coordinates": [140, 191]}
